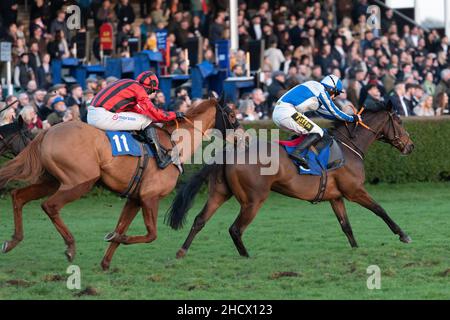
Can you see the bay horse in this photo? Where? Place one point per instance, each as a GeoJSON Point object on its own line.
{"type": "Point", "coordinates": [66, 161]}
{"type": "Point", "coordinates": [251, 189]}
{"type": "Point", "coordinates": [14, 137]}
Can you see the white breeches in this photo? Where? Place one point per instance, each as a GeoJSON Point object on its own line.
{"type": "Point", "coordinates": [284, 114]}
{"type": "Point", "coordinates": [126, 121]}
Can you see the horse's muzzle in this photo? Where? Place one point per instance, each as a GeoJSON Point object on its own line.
{"type": "Point", "coordinates": [408, 149]}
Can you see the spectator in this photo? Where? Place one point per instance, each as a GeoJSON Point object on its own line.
{"type": "Point", "coordinates": [217, 28]}
{"type": "Point", "coordinates": [59, 89]}
{"type": "Point", "coordinates": [374, 101]}
{"type": "Point", "coordinates": [425, 107]}
{"type": "Point", "coordinates": [45, 110]}
{"type": "Point", "coordinates": [428, 85]}
{"type": "Point", "coordinates": [38, 100]}
{"type": "Point", "coordinates": [104, 14]}
{"type": "Point", "coordinates": [24, 100]}
{"type": "Point", "coordinates": [8, 9]}
{"type": "Point", "coordinates": [180, 105]}
{"type": "Point", "coordinates": [124, 13]}
{"type": "Point", "coordinates": [260, 103]}
{"type": "Point", "coordinates": [13, 102]}
{"type": "Point", "coordinates": [59, 111]}
{"type": "Point", "coordinates": [276, 87]}
{"type": "Point", "coordinates": [159, 14]}
{"type": "Point", "coordinates": [444, 84]}
{"type": "Point", "coordinates": [274, 55]}
{"type": "Point", "coordinates": [397, 101]}
{"type": "Point", "coordinates": [59, 24]}
{"type": "Point", "coordinates": [344, 104]}
{"type": "Point", "coordinates": [390, 78]}
{"type": "Point", "coordinates": [182, 93]}
{"type": "Point", "coordinates": [409, 99]}
{"type": "Point", "coordinates": [58, 48]}
{"type": "Point", "coordinates": [182, 68]}
{"type": "Point", "coordinates": [147, 27]}
{"type": "Point", "coordinates": [23, 72]}
{"type": "Point", "coordinates": [34, 57]}
{"type": "Point", "coordinates": [237, 71]}
{"type": "Point", "coordinates": [31, 87]}
{"type": "Point", "coordinates": [6, 116]}
{"type": "Point", "coordinates": [442, 104]}
{"type": "Point", "coordinates": [160, 100]}
{"type": "Point", "coordinates": [76, 97]}
{"type": "Point", "coordinates": [248, 111]}
{"type": "Point", "coordinates": [256, 28]}
{"type": "Point", "coordinates": [44, 73]}
{"type": "Point", "coordinates": [31, 119]}
{"type": "Point", "coordinates": [92, 84]}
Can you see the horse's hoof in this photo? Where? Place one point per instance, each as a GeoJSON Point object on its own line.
{"type": "Point", "coordinates": [5, 247]}
{"type": "Point", "coordinates": [104, 265]}
{"type": "Point", "coordinates": [181, 253]}
{"type": "Point", "coordinates": [111, 236]}
{"type": "Point", "coordinates": [405, 239]}
{"type": "Point", "coordinates": [70, 255]}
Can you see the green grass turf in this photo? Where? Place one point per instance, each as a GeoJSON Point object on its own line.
{"type": "Point", "coordinates": [287, 236]}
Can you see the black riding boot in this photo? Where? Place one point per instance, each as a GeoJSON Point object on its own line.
{"type": "Point", "coordinates": [162, 159]}
{"type": "Point", "coordinates": [305, 144]}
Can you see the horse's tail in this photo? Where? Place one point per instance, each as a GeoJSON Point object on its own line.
{"type": "Point", "coordinates": [27, 166]}
{"type": "Point", "coordinates": [184, 199]}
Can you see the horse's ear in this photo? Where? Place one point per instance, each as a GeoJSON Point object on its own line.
{"type": "Point", "coordinates": [222, 99]}
{"type": "Point", "coordinates": [213, 95]}
{"type": "Point", "coordinates": [389, 106]}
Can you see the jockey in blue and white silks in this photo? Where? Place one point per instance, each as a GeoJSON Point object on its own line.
{"type": "Point", "coordinates": [289, 110]}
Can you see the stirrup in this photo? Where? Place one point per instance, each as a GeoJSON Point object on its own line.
{"type": "Point", "coordinates": [163, 160]}
{"type": "Point", "coordinates": [301, 160]}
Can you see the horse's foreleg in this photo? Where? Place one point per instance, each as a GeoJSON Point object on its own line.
{"type": "Point", "coordinates": [129, 211]}
{"type": "Point", "coordinates": [20, 197]}
{"type": "Point", "coordinates": [215, 200]}
{"type": "Point", "coordinates": [364, 199]}
{"type": "Point", "coordinates": [338, 206]}
{"type": "Point", "coordinates": [150, 214]}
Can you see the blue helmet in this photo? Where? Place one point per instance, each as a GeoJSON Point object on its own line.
{"type": "Point", "coordinates": [333, 83]}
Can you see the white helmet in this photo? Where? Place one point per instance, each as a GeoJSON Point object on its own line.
{"type": "Point", "coordinates": [333, 83]}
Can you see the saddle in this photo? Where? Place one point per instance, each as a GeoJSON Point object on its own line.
{"type": "Point", "coordinates": [125, 143]}
{"type": "Point", "coordinates": [324, 155]}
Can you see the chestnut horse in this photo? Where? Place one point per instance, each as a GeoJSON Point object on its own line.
{"type": "Point", "coordinates": [251, 189]}
{"type": "Point", "coordinates": [66, 161]}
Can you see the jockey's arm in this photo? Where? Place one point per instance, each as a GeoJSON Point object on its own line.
{"type": "Point", "coordinates": [326, 101]}
{"type": "Point", "coordinates": [146, 107]}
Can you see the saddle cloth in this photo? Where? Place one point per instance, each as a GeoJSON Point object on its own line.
{"type": "Point", "coordinates": [123, 143]}
{"type": "Point", "coordinates": [325, 155]}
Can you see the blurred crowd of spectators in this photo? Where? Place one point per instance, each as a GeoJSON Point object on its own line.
{"type": "Point", "coordinates": [304, 40]}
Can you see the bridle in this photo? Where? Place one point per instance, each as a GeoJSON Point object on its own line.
{"type": "Point", "coordinates": [221, 114]}
{"type": "Point", "coordinates": [396, 141]}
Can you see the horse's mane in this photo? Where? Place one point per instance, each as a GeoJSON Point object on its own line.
{"type": "Point", "coordinates": [201, 108]}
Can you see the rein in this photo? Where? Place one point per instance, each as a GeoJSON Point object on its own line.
{"type": "Point", "coordinates": [225, 121]}
{"type": "Point", "coordinates": [353, 147]}
{"type": "Point", "coordinates": [192, 124]}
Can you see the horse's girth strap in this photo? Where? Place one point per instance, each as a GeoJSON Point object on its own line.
{"type": "Point", "coordinates": [135, 182]}
{"type": "Point", "coordinates": [322, 187]}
